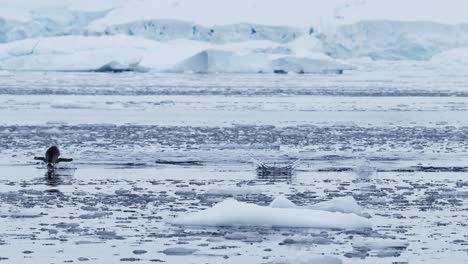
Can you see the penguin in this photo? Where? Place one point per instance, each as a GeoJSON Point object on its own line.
{"type": "Point", "coordinates": [52, 157]}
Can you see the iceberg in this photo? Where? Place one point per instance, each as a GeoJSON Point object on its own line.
{"type": "Point", "coordinates": [105, 53]}
{"type": "Point", "coordinates": [131, 53]}
{"type": "Point", "coordinates": [233, 213]}
{"type": "Point", "coordinates": [212, 61]}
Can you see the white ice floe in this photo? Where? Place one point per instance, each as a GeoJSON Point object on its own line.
{"type": "Point", "coordinates": [179, 251]}
{"type": "Point", "coordinates": [233, 213]}
{"type": "Point", "coordinates": [379, 244]}
{"type": "Point", "coordinates": [345, 204]}
{"type": "Point", "coordinates": [307, 260]}
{"type": "Point", "coordinates": [225, 191]}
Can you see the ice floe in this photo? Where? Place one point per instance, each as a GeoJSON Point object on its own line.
{"type": "Point", "coordinates": [307, 260]}
{"type": "Point", "coordinates": [233, 213]}
{"type": "Point", "coordinates": [346, 204]}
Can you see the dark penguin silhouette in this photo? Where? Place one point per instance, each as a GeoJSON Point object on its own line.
{"type": "Point", "coordinates": [52, 157]}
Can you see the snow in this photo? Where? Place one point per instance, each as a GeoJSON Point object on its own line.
{"type": "Point", "coordinates": [233, 213]}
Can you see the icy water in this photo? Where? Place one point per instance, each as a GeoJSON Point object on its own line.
{"type": "Point", "coordinates": [151, 147]}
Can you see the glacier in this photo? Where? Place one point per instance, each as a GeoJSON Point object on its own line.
{"type": "Point", "coordinates": [179, 36]}
{"type": "Point", "coordinates": [394, 40]}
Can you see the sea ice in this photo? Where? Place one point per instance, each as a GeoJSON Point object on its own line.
{"type": "Point", "coordinates": [233, 213]}
{"type": "Point", "coordinates": [179, 251]}
{"type": "Point", "coordinates": [282, 202]}
{"type": "Point", "coordinates": [345, 204]}
{"type": "Point", "coordinates": [308, 260]}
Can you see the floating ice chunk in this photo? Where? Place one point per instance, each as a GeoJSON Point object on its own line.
{"type": "Point", "coordinates": [345, 204]}
{"type": "Point", "coordinates": [282, 202]}
{"type": "Point", "coordinates": [379, 244]}
{"type": "Point", "coordinates": [308, 260]}
{"type": "Point", "coordinates": [179, 251]}
{"type": "Point", "coordinates": [233, 213]}
{"type": "Point", "coordinates": [225, 191]}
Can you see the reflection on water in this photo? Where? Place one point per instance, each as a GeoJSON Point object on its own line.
{"type": "Point", "coordinates": [276, 171]}
{"type": "Point", "coordinates": [58, 176]}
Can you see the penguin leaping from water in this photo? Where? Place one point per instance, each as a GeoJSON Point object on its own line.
{"type": "Point", "coordinates": [52, 157]}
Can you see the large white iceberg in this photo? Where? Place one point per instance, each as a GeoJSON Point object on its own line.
{"type": "Point", "coordinates": [78, 53]}
{"type": "Point", "coordinates": [210, 61]}
{"type": "Point", "coordinates": [131, 53]}
{"type": "Point", "coordinates": [233, 213]}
